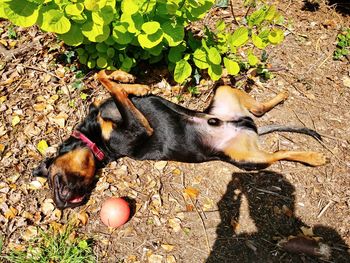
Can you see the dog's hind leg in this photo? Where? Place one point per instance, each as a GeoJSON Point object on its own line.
{"type": "Point", "coordinates": [120, 93]}
{"type": "Point", "coordinates": [230, 101]}
{"type": "Point", "coordinates": [244, 151]}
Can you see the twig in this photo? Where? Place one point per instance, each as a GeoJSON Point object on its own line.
{"type": "Point", "coordinates": [203, 225]}
{"type": "Point", "coordinates": [324, 209]}
{"type": "Point", "coordinates": [18, 84]}
{"type": "Point", "coordinates": [332, 137]}
{"type": "Point", "coordinates": [233, 14]}
{"type": "Point", "coordinates": [270, 192]}
{"type": "Point", "coordinates": [296, 115]}
{"type": "Point", "coordinates": [42, 70]}
{"type": "Point", "coordinates": [247, 11]}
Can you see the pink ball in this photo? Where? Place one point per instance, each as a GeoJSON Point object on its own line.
{"type": "Point", "coordinates": [114, 212]}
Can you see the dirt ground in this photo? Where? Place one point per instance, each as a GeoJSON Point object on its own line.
{"type": "Point", "coordinates": [233, 216]}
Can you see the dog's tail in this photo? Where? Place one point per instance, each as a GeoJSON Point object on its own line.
{"type": "Point", "coordinates": [280, 128]}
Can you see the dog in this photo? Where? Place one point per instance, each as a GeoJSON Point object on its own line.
{"type": "Point", "coordinates": [146, 127]}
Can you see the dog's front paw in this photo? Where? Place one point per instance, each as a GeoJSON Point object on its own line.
{"type": "Point", "coordinates": [120, 76]}
{"type": "Point", "coordinates": [316, 159]}
{"type": "Point", "coordinates": [142, 90]}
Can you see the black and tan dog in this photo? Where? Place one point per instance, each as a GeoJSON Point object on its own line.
{"type": "Point", "coordinates": [152, 128]}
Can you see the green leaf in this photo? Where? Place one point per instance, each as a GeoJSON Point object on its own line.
{"type": "Point", "coordinates": [220, 25]}
{"type": "Point", "coordinates": [215, 72]}
{"type": "Point", "coordinates": [182, 71]}
{"type": "Point", "coordinates": [101, 62]}
{"type": "Point", "coordinates": [147, 6]}
{"type": "Point", "coordinates": [214, 56]}
{"type": "Point", "coordinates": [110, 52]}
{"type": "Point", "coordinates": [155, 51]}
{"type": "Point", "coordinates": [20, 12]}
{"type": "Point", "coordinates": [150, 41]}
{"type": "Point", "coordinates": [121, 34]}
{"type": "Point", "coordinates": [101, 47]}
{"type": "Point", "coordinates": [276, 36]}
{"type": "Point", "coordinates": [83, 58]}
{"type": "Point", "coordinates": [258, 42]}
{"type": "Point", "coordinates": [127, 64]}
{"type": "Point", "coordinates": [94, 32]}
{"type": "Point", "coordinates": [134, 21]}
{"type": "Point", "coordinates": [173, 33]}
{"type": "Point", "coordinates": [252, 59]}
{"type": "Point", "coordinates": [150, 27]}
{"type": "Point", "coordinates": [91, 63]}
{"type": "Point", "coordinates": [200, 58]}
{"type": "Point", "coordinates": [129, 7]}
{"type": "Point", "coordinates": [42, 147]}
{"type": "Point", "coordinates": [83, 244]}
{"type": "Point", "coordinates": [239, 37]}
{"type": "Point", "coordinates": [74, 9]}
{"type": "Point", "coordinates": [109, 41]}
{"type": "Point", "coordinates": [75, 12]}
{"type": "Point", "coordinates": [271, 13]}
{"type": "Point", "coordinates": [197, 9]}
{"type": "Point", "coordinates": [256, 17]}
{"type": "Point", "coordinates": [103, 16]}
{"type": "Point", "coordinates": [74, 37]}
{"type": "Point", "coordinates": [175, 53]}
{"type": "Point", "coordinates": [55, 21]}
{"type": "Point", "coordinates": [94, 5]}
{"type": "Point", "coordinates": [231, 66]}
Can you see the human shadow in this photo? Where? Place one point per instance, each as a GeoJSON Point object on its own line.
{"type": "Point", "coordinates": [270, 199]}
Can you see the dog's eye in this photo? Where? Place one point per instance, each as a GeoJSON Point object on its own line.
{"type": "Point", "coordinates": [214, 122]}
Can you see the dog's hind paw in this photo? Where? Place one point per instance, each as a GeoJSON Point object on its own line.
{"type": "Point", "coordinates": [316, 159]}
{"type": "Point", "coordinates": [284, 95]}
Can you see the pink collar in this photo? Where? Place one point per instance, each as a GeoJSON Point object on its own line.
{"type": "Point", "coordinates": [93, 147]}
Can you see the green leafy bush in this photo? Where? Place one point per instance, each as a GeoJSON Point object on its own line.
{"type": "Point", "coordinates": [343, 45]}
{"type": "Point", "coordinates": [119, 33]}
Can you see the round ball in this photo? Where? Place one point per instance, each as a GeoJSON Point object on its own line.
{"type": "Point", "coordinates": [114, 212]}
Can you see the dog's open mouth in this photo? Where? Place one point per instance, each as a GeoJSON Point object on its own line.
{"type": "Point", "coordinates": [76, 199]}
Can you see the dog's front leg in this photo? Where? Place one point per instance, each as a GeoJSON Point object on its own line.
{"type": "Point", "coordinates": [120, 94]}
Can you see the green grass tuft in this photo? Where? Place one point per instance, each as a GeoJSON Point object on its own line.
{"type": "Point", "coordinates": [61, 247]}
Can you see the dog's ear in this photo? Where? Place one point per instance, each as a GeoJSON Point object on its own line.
{"type": "Point", "coordinates": [92, 107]}
{"type": "Point", "coordinates": [42, 170]}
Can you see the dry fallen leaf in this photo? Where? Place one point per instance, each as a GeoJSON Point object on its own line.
{"type": "Point", "coordinates": [307, 231]}
{"type": "Point", "coordinates": [15, 120]}
{"type": "Point", "coordinates": [11, 213]}
{"type": "Point", "coordinates": [155, 258]}
{"type": "Point", "coordinates": [208, 204]}
{"type": "Point", "coordinates": [160, 165]}
{"type": "Point", "coordinates": [47, 207]}
{"type": "Point", "coordinates": [167, 247]}
{"type": "Point", "coordinates": [346, 81]}
{"type": "Point", "coordinates": [174, 223]}
{"type": "Point", "coordinates": [170, 259]}
{"type": "Point", "coordinates": [83, 217]}
{"type": "Point", "coordinates": [30, 233]}
{"type": "Point", "coordinates": [42, 147]}
{"type": "Point", "coordinates": [191, 192]}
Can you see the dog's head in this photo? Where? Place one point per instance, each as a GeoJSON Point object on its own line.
{"type": "Point", "coordinates": [71, 175]}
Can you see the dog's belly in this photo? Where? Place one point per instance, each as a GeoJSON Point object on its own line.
{"type": "Point", "coordinates": [219, 137]}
